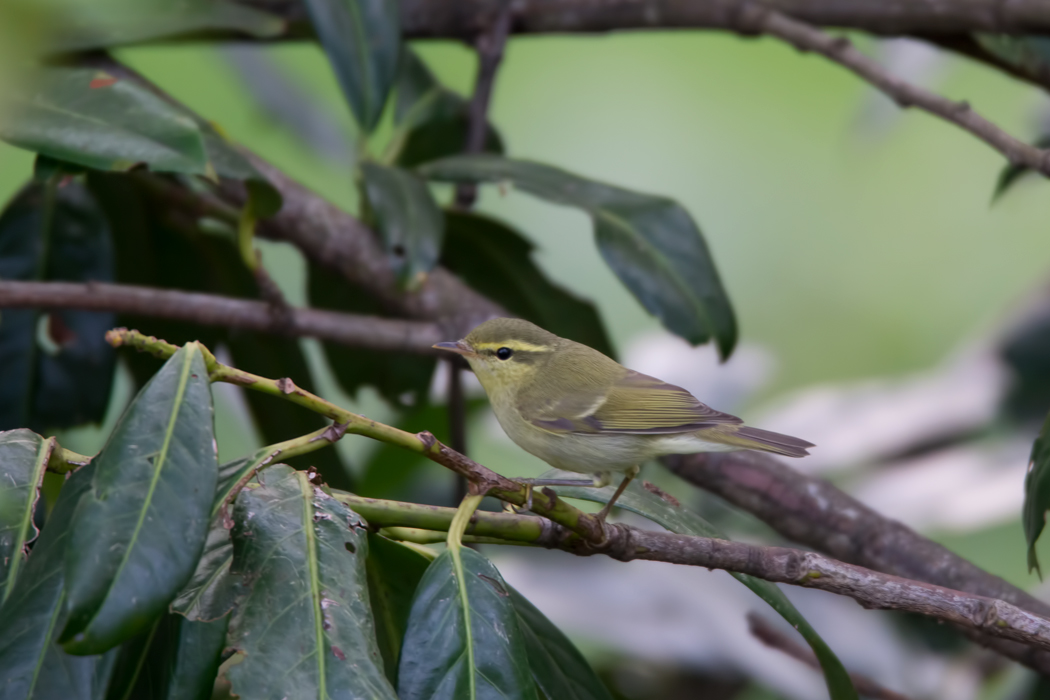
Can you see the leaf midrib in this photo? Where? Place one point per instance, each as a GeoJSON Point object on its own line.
{"type": "Point", "coordinates": [43, 454]}
{"type": "Point", "coordinates": [158, 467]}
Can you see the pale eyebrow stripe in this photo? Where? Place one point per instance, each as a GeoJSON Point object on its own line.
{"type": "Point", "coordinates": [513, 345]}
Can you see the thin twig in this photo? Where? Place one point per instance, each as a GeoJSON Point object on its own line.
{"type": "Point", "coordinates": [758, 19]}
{"type": "Point", "coordinates": [489, 46]}
{"type": "Point", "coordinates": [214, 310]}
{"type": "Point", "coordinates": [772, 637]}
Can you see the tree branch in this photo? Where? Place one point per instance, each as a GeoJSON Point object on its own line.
{"type": "Point", "coordinates": [777, 564]}
{"type": "Point", "coordinates": [463, 19]}
{"type": "Point", "coordinates": [212, 310]}
{"type": "Point", "coordinates": [759, 19]}
{"type": "Point", "coordinates": [816, 514]}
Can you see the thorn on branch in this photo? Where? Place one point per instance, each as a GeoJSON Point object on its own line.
{"type": "Point", "coordinates": [286, 385]}
{"type": "Point", "coordinates": [334, 432]}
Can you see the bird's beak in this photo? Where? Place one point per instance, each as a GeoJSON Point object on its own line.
{"type": "Point", "coordinates": [460, 347]}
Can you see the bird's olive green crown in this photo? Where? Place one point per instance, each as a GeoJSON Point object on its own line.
{"type": "Point", "coordinates": [514, 334]}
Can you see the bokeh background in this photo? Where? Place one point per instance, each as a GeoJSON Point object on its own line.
{"type": "Point", "coordinates": [872, 277]}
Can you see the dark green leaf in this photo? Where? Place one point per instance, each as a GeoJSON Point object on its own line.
{"type": "Point", "coordinates": [672, 516]}
{"type": "Point", "coordinates": [432, 121]}
{"type": "Point", "coordinates": [305, 627]}
{"type": "Point", "coordinates": [54, 233]}
{"type": "Point", "coordinates": [463, 641]}
{"type": "Point", "coordinates": [23, 459]}
{"type": "Point", "coordinates": [394, 571]}
{"type": "Point", "coordinates": [408, 220]}
{"type": "Point", "coordinates": [1025, 349]}
{"type": "Point", "coordinates": [651, 243]}
{"type": "Point", "coordinates": [138, 534]}
{"type": "Point", "coordinates": [1037, 493]}
{"type": "Point", "coordinates": [557, 665]}
{"type": "Point", "coordinates": [496, 261]}
{"type": "Point", "coordinates": [213, 590]}
{"type": "Point", "coordinates": [32, 664]}
{"type": "Point", "coordinates": [362, 39]}
{"type": "Point", "coordinates": [89, 117]}
{"type": "Point", "coordinates": [1012, 173]}
{"type": "Point", "coordinates": [1029, 55]}
{"type": "Point", "coordinates": [175, 659]}
{"type": "Point", "coordinates": [107, 23]}
{"type": "Point", "coordinates": [401, 379]}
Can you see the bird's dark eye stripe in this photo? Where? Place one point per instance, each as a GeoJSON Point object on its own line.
{"type": "Point", "coordinates": [504, 353]}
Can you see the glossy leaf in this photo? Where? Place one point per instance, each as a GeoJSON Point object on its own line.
{"type": "Point", "coordinates": [557, 665]}
{"type": "Point", "coordinates": [496, 261]}
{"type": "Point", "coordinates": [106, 119]}
{"type": "Point", "coordinates": [362, 39]}
{"type": "Point", "coordinates": [54, 233]}
{"type": "Point", "coordinates": [32, 664]}
{"type": "Point", "coordinates": [108, 23]}
{"type": "Point", "coordinates": [431, 121]}
{"type": "Point", "coordinates": [138, 533]}
{"type": "Point", "coordinates": [213, 590]}
{"type": "Point", "coordinates": [305, 627]}
{"type": "Point", "coordinates": [1037, 493]}
{"type": "Point", "coordinates": [401, 379]}
{"type": "Point", "coordinates": [92, 118]}
{"type": "Point", "coordinates": [408, 220]}
{"type": "Point", "coordinates": [463, 641]}
{"type": "Point", "coordinates": [668, 513]}
{"type": "Point", "coordinates": [650, 242]}
{"type": "Point", "coordinates": [175, 659]}
{"type": "Point", "coordinates": [394, 571]}
{"type": "Point", "coordinates": [23, 459]}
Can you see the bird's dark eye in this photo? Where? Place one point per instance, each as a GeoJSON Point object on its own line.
{"type": "Point", "coordinates": [504, 353]}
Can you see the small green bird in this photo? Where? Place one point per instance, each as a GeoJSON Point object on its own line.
{"type": "Point", "coordinates": [581, 411]}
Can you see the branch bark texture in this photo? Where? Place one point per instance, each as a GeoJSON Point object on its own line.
{"type": "Point", "coordinates": [212, 310]}
{"type": "Point", "coordinates": [814, 513]}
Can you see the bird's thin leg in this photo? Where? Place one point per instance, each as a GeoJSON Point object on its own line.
{"type": "Point", "coordinates": [529, 484]}
{"type": "Point", "coordinates": [631, 473]}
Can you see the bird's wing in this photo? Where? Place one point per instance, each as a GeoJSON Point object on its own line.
{"type": "Point", "coordinates": [635, 404]}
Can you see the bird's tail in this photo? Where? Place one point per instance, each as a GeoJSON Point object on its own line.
{"type": "Point", "coordinates": [748, 438]}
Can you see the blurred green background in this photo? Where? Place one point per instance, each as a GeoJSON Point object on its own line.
{"type": "Point", "coordinates": [850, 248]}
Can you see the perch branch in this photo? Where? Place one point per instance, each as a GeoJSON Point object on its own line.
{"type": "Point", "coordinates": [777, 564]}
{"type": "Point", "coordinates": [213, 310]}
{"type": "Point", "coordinates": [814, 513]}
{"type": "Point", "coordinates": [544, 502]}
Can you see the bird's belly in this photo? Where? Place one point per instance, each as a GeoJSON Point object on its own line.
{"type": "Point", "coordinates": [583, 453]}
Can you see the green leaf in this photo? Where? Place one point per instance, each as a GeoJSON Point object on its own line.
{"type": "Point", "coordinates": [431, 121]}
{"type": "Point", "coordinates": [650, 242]}
{"type": "Point", "coordinates": [1029, 55]}
{"type": "Point", "coordinates": [557, 665]}
{"type": "Point", "coordinates": [362, 39]}
{"type": "Point", "coordinates": [305, 627]}
{"type": "Point", "coordinates": [108, 23]}
{"type": "Point", "coordinates": [23, 459]}
{"type": "Point", "coordinates": [175, 659]}
{"type": "Point", "coordinates": [1010, 174]}
{"type": "Point", "coordinates": [91, 118]}
{"type": "Point", "coordinates": [32, 664]}
{"type": "Point", "coordinates": [213, 590]}
{"type": "Point", "coordinates": [401, 379]}
{"type": "Point", "coordinates": [408, 220]}
{"type": "Point", "coordinates": [394, 571]}
{"type": "Point", "coordinates": [54, 233]}
{"type": "Point", "coordinates": [138, 534]}
{"type": "Point", "coordinates": [668, 513]}
{"type": "Point", "coordinates": [496, 261]}
{"type": "Point", "coordinates": [463, 640]}
{"type": "Point", "coordinates": [1037, 493]}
